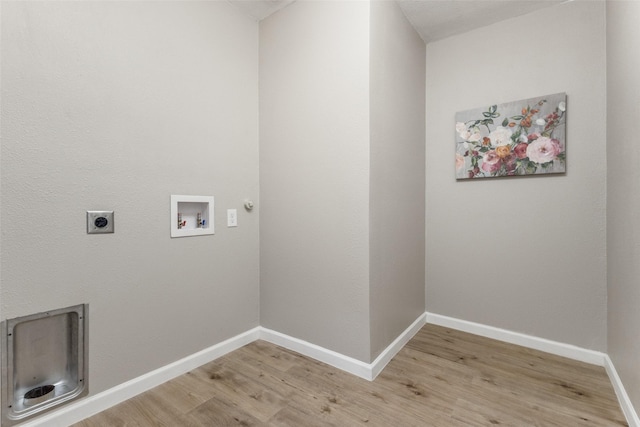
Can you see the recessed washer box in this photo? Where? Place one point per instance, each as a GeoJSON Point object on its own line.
{"type": "Point", "coordinates": [191, 215]}
{"type": "Point", "coordinates": [44, 362]}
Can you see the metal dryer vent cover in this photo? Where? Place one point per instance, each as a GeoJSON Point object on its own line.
{"type": "Point", "coordinates": [44, 362]}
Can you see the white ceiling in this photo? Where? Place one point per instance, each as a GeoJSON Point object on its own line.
{"type": "Point", "coordinates": [260, 9]}
{"type": "Point", "coordinates": [433, 19]}
{"type": "Point", "coordinates": [437, 19]}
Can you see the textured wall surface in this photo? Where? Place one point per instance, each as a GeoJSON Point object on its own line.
{"type": "Point", "coordinates": [623, 195]}
{"type": "Point", "coordinates": [397, 175]}
{"type": "Point", "coordinates": [116, 106]}
{"type": "Point", "coordinates": [525, 254]}
{"type": "Point", "coordinates": [314, 174]}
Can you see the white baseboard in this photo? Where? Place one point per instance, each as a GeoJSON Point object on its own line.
{"type": "Point", "coordinates": [548, 346]}
{"type": "Point", "coordinates": [368, 371]}
{"type": "Point", "coordinates": [91, 405]}
{"type": "Point", "coordinates": [84, 408]}
{"type": "Point", "coordinates": [385, 357]}
{"type": "Point", "coordinates": [553, 347]}
{"type": "Point", "coordinates": [330, 357]}
{"type": "Point", "coordinates": [625, 403]}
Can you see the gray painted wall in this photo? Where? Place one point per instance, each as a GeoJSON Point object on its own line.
{"type": "Point", "coordinates": [623, 197]}
{"type": "Point", "coordinates": [525, 254]}
{"type": "Point", "coordinates": [397, 182]}
{"type": "Point", "coordinates": [341, 174]}
{"type": "Point", "coordinates": [314, 174]}
{"type": "Point", "coordinates": [118, 105]}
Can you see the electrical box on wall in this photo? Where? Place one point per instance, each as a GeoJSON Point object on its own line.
{"type": "Point", "coordinates": [191, 215]}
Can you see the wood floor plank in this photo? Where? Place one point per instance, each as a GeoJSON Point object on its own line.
{"type": "Point", "coordinates": [145, 410]}
{"type": "Point", "coordinates": [331, 400]}
{"type": "Point", "coordinates": [240, 391]}
{"type": "Point", "coordinates": [116, 416]}
{"type": "Point", "coordinates": [222, 412]}
{"type": "Point", "coordinates": [441, 378]}
{"type": "Point", "coordinates": [186, 392]}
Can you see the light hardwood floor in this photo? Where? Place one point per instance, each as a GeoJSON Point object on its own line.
{"type": "Point", "coordinates": [442, 377]}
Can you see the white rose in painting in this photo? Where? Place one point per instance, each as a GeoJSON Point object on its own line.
{"type": "Point", "coordinates": [562, 106]}
{"type": "Point", "coordinates": [462, 130]}
{"type": "Point", "coordinates": [475, 136]}
{"type": "Point", "coordinates": [541, 122]}
{"type": "Point", "coordinates": [543, 150]}
{"type": "Point", "coordinates": [472, 135]}
{"type": "Point", "coordinates": [465, 135]}
{"type": "Point", "coordinates": [500, 136]}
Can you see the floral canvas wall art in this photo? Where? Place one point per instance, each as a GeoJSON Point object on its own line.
{"type": "Point", "coordinates": [516, 138]}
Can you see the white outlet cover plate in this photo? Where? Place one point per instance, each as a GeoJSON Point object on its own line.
{"type": "Point", "coordinates": [232, 217]}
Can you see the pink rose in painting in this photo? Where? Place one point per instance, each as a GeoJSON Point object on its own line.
{"type": "Point", "coordinates": [510, 164]}
{"type": "Point", "coordinates": [459, 162]}
{"type": "Point", "coordinates": [490, 162]}
{"type": "Point", "coordinates": [543, 150]}
{"type": "Point", "coordinates": [533, 136]}
{"type": "Point", "coordinates": [521, 150]}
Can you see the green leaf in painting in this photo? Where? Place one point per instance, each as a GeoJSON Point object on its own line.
{"type": "Point", "coordinates": [505, 122]}
{"type": "Point", "coordinates": [531, 168]}
{"type": "Point", "coordinates": [486, 114]}
{"type": "Point", "coordinates": [493, 108]}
